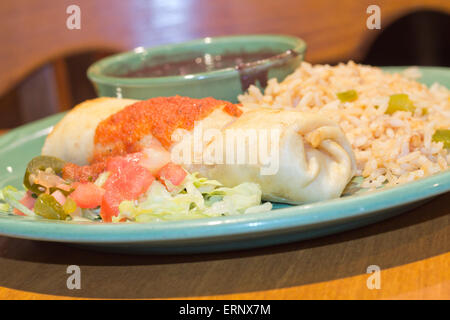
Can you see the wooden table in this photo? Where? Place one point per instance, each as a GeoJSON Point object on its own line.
{"type": "Point", "coordinates": [412, 250]}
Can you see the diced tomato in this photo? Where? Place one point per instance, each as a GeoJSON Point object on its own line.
{"type": "Point", "coordinates": [116, 164]}
{"type": "Point", "coordinates": [110, 205]}
{"type": "Point", "coordinates": [28, 201]}
{"type": "Point", "coordinates": [87, 195]}
{"type": "Point", "coordinates": [173, 173]}
{"type": "Point", "coordinates": [128, 180]}
{"type": "Point", "coordinates": [134, 157]}
{"type": "Point", "coordinates": [58, 195]}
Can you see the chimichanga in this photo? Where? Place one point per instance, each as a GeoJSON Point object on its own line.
{"type": "Point", "coordinates": [301, 157]}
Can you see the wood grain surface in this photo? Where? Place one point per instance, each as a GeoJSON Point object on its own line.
{"type": "Point", "coordinates": [34, 32]}
{"type": "Point", "coordinates": [412, 250]}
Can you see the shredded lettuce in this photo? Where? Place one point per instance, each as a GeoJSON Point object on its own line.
{"type": "Point", "coordinates": [10, 198]}
{"type": "Point", "coordinates": [196, 197]}
{"type": "Point", "coordinates": [102, 178]}
{"type": "Point", "coordinates": [4, 206]}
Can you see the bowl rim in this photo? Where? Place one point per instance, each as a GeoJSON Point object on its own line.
{"type": "Point", "coordinates": [96, 75]}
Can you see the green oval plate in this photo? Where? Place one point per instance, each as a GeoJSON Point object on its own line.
{"type": "Point", "coordinates": [281, 225]}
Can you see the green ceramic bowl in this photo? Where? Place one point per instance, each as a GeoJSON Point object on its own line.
{"type": "Point", "coordinates": [226, 83]}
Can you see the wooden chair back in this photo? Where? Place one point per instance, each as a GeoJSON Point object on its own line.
{"type": "Point", "coordinates": [34, 33]}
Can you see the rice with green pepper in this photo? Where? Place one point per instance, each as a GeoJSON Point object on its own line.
{"type": "Point", "coordinates": [393, 122]}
